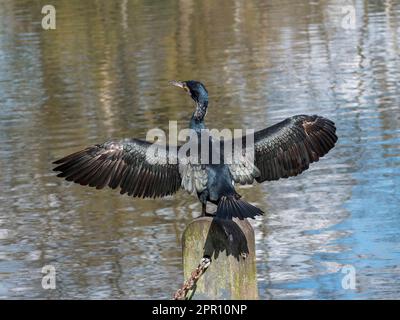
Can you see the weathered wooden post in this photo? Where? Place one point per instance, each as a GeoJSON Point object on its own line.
{"type": "Point", "coordinates": [231, 246]}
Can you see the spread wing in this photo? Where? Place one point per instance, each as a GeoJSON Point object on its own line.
{"type": "Point", "coordinates": [287, 148]}
{"type": "Point", "coordinates": [137, 167]}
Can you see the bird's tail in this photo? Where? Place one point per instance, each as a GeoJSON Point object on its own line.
{"type": "Point", "coordinates": [233, 207]}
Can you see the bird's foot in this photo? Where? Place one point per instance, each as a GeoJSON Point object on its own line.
{"type": "Point", "coordinates": [206, 214]}
{"type": "Point", "coordinates": [209, 214]}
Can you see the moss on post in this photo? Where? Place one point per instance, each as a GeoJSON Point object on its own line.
{"type": "Point", "coordinates": [231, 246]}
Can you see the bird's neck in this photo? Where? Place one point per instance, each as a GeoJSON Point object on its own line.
{"type": "Point", "coordinates": [201, 109]}
{"type": "Point", "coordinates": [197, 120]}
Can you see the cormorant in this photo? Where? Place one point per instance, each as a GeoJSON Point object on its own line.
{"type": "Point", "coordinates": [280, 151]}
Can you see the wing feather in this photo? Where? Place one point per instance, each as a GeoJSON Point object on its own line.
{"type": "Point", "coordinates": [123, 164]}
{"type": "Point", "coordinates": [288, 147]}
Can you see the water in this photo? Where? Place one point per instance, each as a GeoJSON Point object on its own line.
{"type": "Point", "coordinates": [104, 73]}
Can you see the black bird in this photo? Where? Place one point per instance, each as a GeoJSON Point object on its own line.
{"type": "Point", "coordinates": [280, 151]}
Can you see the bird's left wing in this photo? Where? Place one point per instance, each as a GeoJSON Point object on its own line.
{"type": "Point", "coordinates": [138, 167]}
{"type": "Point", "coordinates": [290, 146]}
{"type": "Point", "coordinates": [285, 149]}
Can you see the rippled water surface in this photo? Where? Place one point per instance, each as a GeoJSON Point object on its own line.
{"type": "Point", "coordinates": [104, 73]}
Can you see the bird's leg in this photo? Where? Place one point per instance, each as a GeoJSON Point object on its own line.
{"type": "Point", "coordinates": [203, 209]}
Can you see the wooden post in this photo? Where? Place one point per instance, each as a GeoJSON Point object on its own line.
{"type": "Point", "coordinates": [231, 246]}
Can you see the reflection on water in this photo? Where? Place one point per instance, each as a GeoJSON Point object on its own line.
{"type": "Point", "coordinates": [104, 73]}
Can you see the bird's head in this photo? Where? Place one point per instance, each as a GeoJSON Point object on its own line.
{"type": "Point", "coordinates": [195, 89]}
{"type": "Point", "coordinates": [198, 93]}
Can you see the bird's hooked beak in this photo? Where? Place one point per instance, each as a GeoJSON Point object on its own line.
{"type": "Point", "coordinates": [177, 83]}
{"type": "Point", "coordinates": [180, 84]}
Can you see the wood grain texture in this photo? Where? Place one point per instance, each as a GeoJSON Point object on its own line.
{"type": "Point", "coordinates": [231, 246]}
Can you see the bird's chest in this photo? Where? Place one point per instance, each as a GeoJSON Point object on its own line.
{"type": "Point", "coordinates": [213, 178]}
{"type": "Point", "coordinates": [194, 177]}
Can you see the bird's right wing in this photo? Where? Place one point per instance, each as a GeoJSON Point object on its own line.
{"type": "Point", "coordinates": [139, 168]}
